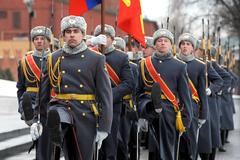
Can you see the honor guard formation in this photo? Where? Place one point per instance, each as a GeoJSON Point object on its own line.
{"type": "Point", "coordinates": [104, 97]}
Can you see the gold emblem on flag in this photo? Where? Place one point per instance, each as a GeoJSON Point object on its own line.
{"type": "Point", "coordinates": [127, 2]}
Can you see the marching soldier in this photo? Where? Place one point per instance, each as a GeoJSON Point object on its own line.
{"type": "Point", "coordinates": [223, 102]}
{"type": "Point", "coordinates": [81, 111]}
{"type": "Point", "coordinates": [122, 83]}
{"type": "Point", "coordinates": [163, 96]}
{"type": "Point", "coordinates": [215, 83]}
{"type": "Point", "coordinates": [134, 49]}
{"type": "Point", "coordinates": [148, 51]}
{"type": "Point", "coordinates": [128, 124]}
{"type": "Point", "coordinates": [227, 116]}
{"type": "Point", "coordinates": [29, 75]}
{"type": "Point", "coordinates": [233, 85]}
{"type": "Point", "coordinates": [197, 82]}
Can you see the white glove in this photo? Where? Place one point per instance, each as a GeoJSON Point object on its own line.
{"type": "Point", "coordinates": [100, 137]}
{"type": "Point", "coordinates": [143, 125]}
{"type": "Point", "coordinates": [159, 110]}
{"type": "Point", "coordinates": [201, 122]}
{"type": "Point", "coordinates": [36, 130]}
{"type": "Point", "coordinates": [130, 55]}
{"type": "Point", "coordinates": [219, 93]}
{"type": "Point", "coordinates": [229, 90]}
{"type": "Point", "coordinates": [208, 91]}
{"type": "Point", "coordinates": [99, 40]}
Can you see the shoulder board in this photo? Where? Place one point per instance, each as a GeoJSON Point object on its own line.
{"type": "Point", "coordinates": [213, 60]}
{"type": "Point", "coordinates": [29, 52]}
{"type": "Point", "coordinates": [179, 60]}
{"type": "Point", "coordinates": [200, 61]}
{"type": "Point", "coordinates": [93, 50]}
{"type": "Point", "coordinates": [133, 63]}
{"type": "Point", "coordinates": [118, 49]}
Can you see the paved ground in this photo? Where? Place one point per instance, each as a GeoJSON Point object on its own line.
{"type": "Point", "coordinates": [10, 120]}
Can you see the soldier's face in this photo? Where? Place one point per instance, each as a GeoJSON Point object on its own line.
{"type": "Point", "coordinates": [73, 37]}
{"type": "Point", "coordinates": [163, 45]}
{"type": "Point", "coordinates": [186, 47]}
{"type": "Point", "coordinates": [39, 43]}
{"type": "Point", "coordinates": [198, 53]}
{"type": "Point", "coordinates": [109, 40]}
{"type": "Point", "coordinates": [147, 51]}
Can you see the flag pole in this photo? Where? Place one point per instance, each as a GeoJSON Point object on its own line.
{"type": "Point", "coordinates": [102, 21]}
{"type": "Point", "coordinates": [102, 49]}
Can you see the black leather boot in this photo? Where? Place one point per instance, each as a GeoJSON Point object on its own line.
{"type": "Point", "coordinates": [53, 125]}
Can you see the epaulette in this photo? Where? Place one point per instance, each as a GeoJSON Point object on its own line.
{"type": "Point", "coordinates": [141, 59]}
{"type": "Point", "coordinates": [179, 60]}
{"type": "Point", "coordinates": [29, 52]}
{"type": "Point", "coordinates": [93, 50]}
{"type": "Point", "coordinates": [200, 61]}
{"type": "Point", "coordinates": [133, 63]}
{"type": "Point", "coordinates": [118, 49]}
{"type": "Point", "coordinates": [214, 60]}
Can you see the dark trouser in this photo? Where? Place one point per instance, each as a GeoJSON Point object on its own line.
{"type": "Point", "coordinates": [44, 148]}
{"type": "Point", "coordinates": [124, 131]}
{"type": "Point", "coordinates": [70, 148]}
{"type": "Point", "coordinates": [133, 142]}
{"type": "Point", "coordinates": [213, 154]}
{"type": "Point", "coordinates": [108, 150]}
{"type": "Point", "coordinates": [223, 137]}
{"type": "Point", "coordinates": [188, 144]}
{"type": "Point", "coordinates": [204, 156]}
{"type": "Point", "coordinates": [78, 134]}
{"type": "Point", "coordinates": [184, 156]}
{"type": "Point", "coordinates": [227, 131]}
{"type": "Point", "coordinates": [128, 135]}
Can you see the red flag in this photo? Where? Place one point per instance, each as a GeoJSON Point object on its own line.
{"type": "Point", "coordinates": [78, 7]}
{"type": "Point", "coordinates": [130, 19]}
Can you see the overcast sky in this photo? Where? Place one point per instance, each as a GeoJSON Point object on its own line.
{"type": "Point", "coordinates": [155, 9]}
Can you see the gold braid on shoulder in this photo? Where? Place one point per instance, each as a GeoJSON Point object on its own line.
{"type": "Point", "coordinates": [28, 75]}
{"type": "Point", "coordinates": [148, 83]}
{"type": "Point", "coordinates": [54, 72]}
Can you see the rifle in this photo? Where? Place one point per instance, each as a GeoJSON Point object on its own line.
{"type": "Point", "coordinates": [228, 53]}
{"type": "Point", "coordinates": [116, 21]}
{"type": "Point", "coordinates": [51, 28]}
{"type": "Point", "coordinates": [204, 51]}
{"type": "Point", "coordinates": [174, 45]}
{"type": "Point", "coordinates": [208, 42]}
{"type": "Point", "coordinates": [239, 49]}
{"type": "Point", "coordinates": [219, 48]}
{"type": "Point", "coordinates": [167, 22]}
